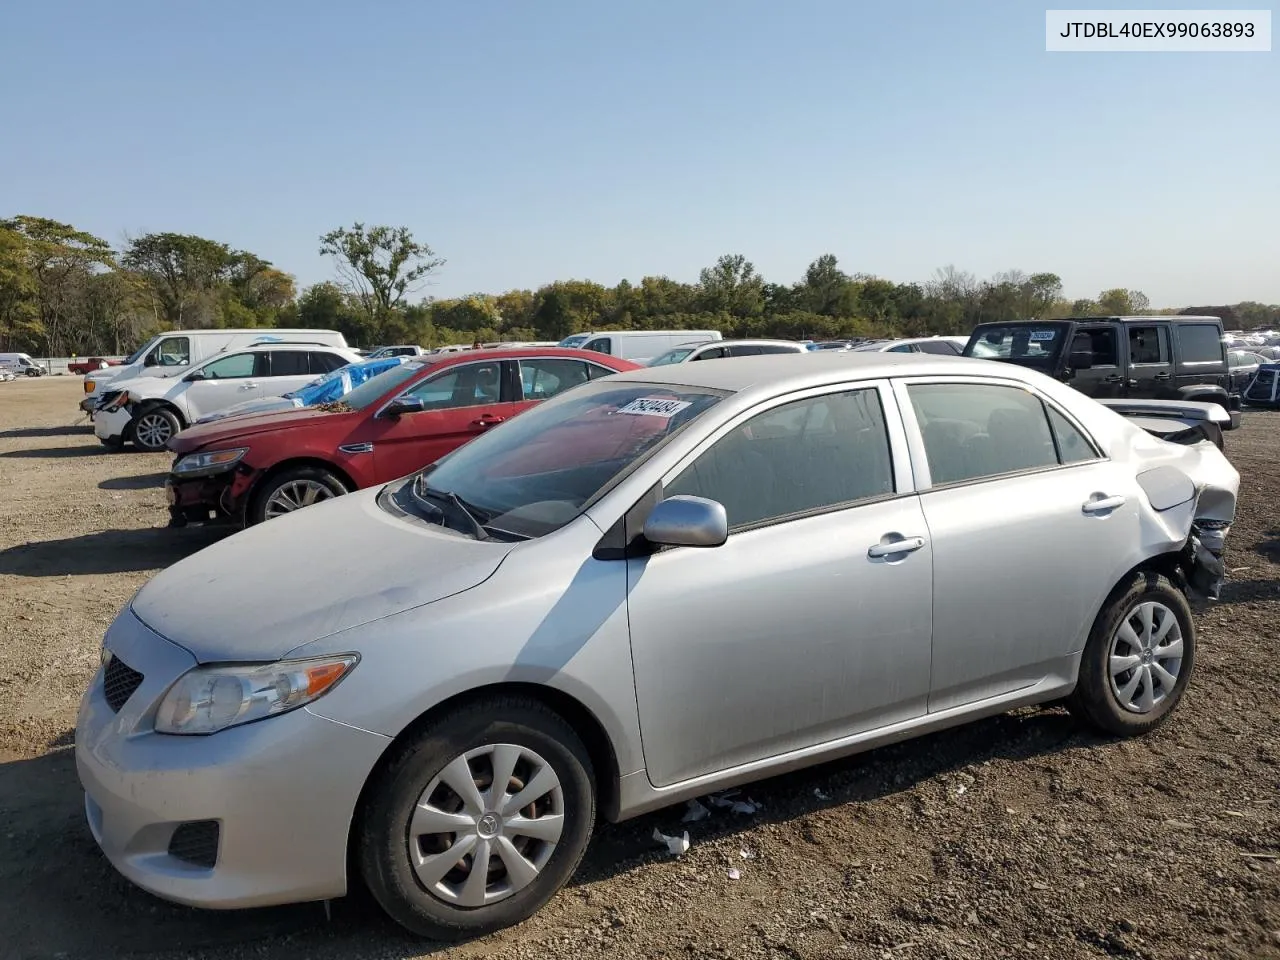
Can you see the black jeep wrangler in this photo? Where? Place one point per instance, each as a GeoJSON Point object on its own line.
{"type": "Point", "coordinates": [1121, 358]}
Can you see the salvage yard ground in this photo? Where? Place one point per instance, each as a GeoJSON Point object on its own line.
{"type": "Point", "coordinates": [1016, 836]}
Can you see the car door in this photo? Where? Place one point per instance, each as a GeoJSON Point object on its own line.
{"type": "Point", "coordinates": [804, 626]}
{"type": "Point", "coordinates": [1107, 377]}
{"type": "Point", "coordinates": [460, 402]}
{"type": "Point", "coordinates": [1026, 518]}
{"type": "Point", "coordinates": [227, 380]}
{"type": "Point", "coordinates": [1150, 362]}
{"type": "Point", "coordinates": [1199, 357]}
{"type": "Point", "coordinates": [541, 378]}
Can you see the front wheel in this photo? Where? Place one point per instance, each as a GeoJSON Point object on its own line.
{"type": "Point", "coordinates": [1138, 659]}
{"type": "Point", "coordinates": [152, 429]}
{"type": "Point", "coordinates": [477, 821]}
{"type": "Point", "coordinates": [292, 490]}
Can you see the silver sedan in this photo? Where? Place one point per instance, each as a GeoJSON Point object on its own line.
{"type": "Point", "coordinates": [446, 682]}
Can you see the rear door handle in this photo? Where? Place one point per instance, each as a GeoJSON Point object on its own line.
{"type": "Point", "coordinates": [248, 385]}
{"type": "Point", "coordinates": [486, 420]}
{"type": "Point", "coordinates": [892, 548]}
{"type": "Point", "coordinates": [1164, 376]}
{"type": "Point", "coordinates": [1101, 504]}
{"type": "Point", "coordinates": [1114, 378]}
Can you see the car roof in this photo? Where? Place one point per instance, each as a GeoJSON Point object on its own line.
{"type": "Point", "coordinates": [514, 353]}
{"type": "Point", "coordinates": [750, 342]}
{"type": "Point", "coordinates": [287, 345]}
{"type": "Point", "coordinates": [782, 372]}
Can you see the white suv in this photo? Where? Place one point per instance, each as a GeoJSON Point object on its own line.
{"type": "Point", "coordinates": [718, 349]}
{"type": "Point", "coordinates": [150, 410]}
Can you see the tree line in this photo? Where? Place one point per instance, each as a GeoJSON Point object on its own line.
{"type": "Point", "coordinates": [66, 292]}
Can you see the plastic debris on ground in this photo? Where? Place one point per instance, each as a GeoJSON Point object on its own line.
{"type": "Point", "coordinates": [675, 845]}
{"type": "Point", "coordinates": [746, 854]}
{"type": "Point", "coordinates": [695, 813]}
{"type": "Point", "coordinates": [733, 800]}
{"type": "Point", "coordinates": [735, 873]}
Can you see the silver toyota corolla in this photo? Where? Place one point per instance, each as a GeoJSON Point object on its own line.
{"type": "Point", "coordinates": [576, 616]}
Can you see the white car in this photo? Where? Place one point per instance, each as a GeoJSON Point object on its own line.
{"type": "Point", "coordinates": [149, 410]}
{"type": "Point", "coordinates": [718, 349]}
{"type": "Point", "coordinates": [943, 346]}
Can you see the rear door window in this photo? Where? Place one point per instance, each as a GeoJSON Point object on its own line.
{"type": "Point", "coordinates": [1148, 345]}
{"type": "Point", "coordinates": [944, 347]}
{"type": "Point", "coordinates": [325, 362]}
{"type": "Point", "coordinates": [288, 363]}
{"type": "Point", "coordinates": [544, 377]}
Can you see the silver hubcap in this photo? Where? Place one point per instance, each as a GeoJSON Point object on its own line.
{"type": "Point", "coordinates": [152, 430]}
{"type": "Point", "coordinates": [1146, 656]}
{"type": "Point", "coordinates": [486, 825]}
{"type": "Point", "coordinates": [295, 494]}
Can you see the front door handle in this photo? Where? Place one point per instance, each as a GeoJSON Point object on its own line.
{"type": "Point", "coordinates": [894, 547]}
{"type": "Point", "coordinates": [1102, 504]}
{"type": "Point", "coordinates": [486, 420]}
{"type": "Point", "coordinates": [248, 385]}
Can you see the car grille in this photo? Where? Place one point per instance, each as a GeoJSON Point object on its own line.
{"type": "Point", "coordinates": [196, 842]}
{"type": "Point", "coordinates": [119, 681]}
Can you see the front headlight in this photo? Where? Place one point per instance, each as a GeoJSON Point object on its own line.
{"type": "Point", "coordinates": [208, 463]}
{"type": "Point", "coordinates": [208, 699]}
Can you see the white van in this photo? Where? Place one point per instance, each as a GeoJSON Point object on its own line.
{"type": "Point", "coordinates": [638, 346]}
{"type": "Point", "coordinates": [21, 365]}
{"type": "Point", "coordinates": [174, 352]}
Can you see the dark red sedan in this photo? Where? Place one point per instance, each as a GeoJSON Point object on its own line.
{"type": "Point", "coordinates": [251, 468]}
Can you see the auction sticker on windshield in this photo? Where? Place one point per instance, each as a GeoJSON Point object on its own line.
{"type": "Point", "coordinates": [654, 407]}
{"type": "Point", "coordinates": [1042, 334]}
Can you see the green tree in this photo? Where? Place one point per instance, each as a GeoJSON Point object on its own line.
{"type": "Point", "coordinates": [379, 265]}
{"type": "Point", "coordinates": [732, 286]}
{"type": "Point", "coordinates": [183, 273]}
{"type": "Point", "coordinates": [1120, 302]}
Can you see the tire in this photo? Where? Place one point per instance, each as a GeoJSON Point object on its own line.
{"type": "Point", "coordinates": [318, 482]}
{"type": "Point", "coordinates": [385, 841]}
{"type": "Point", "coordinates": [153, 427]}
{"type": "Point", "coordinates": [1119, 705]}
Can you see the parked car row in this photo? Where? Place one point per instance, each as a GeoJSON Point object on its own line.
{"type": "Point", "coordinates": [552, 599]}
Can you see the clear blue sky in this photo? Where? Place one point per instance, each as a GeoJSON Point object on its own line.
{"type": "Point", "coordinates": [528, 142]}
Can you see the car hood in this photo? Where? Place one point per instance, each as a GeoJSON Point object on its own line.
{"type": "Point", "coordinates": [263, 592]}
{"type": "Point", "coordinates": [200, 435]}
{"type": "Point", "coordinates": [247, 407]}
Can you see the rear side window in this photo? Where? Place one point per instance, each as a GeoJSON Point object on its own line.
{"type": "Point", "coordinates": [1148, 345]}
{"type": "Point", "coordinates": [901, 348]}
{"type": "Point", "coordinates": [289, 363]}
{"type": "Point", "coordinates": [325, 362]}
{"type": "Point", "coordinates": [543, 378]}
{"type": "Point", "coordinates": [976, 430]}
{"type": "Point", "coordinates": [714, 353]}
{"type": "Point", "coordinates": [1073, 446]}
{"type": "Point", "coordinates": [769, 348]}
{"type": "Point", "coordinates": [743, 350]}
{"type": "Point", "coordinates": [796, 458]}
{"type": "Point", "coordinates": [1199, 343]}
{"type": "Point", "coordinates": [944, 347]}
{"type": "Point", "coordinates": [599, 345]}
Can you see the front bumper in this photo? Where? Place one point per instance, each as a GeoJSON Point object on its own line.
{"type": "Point", "coordinates": [282, 791]}
{"type": "Point", "coordinates": [112, 424]}
{"type": "Point", "coordinates": [219, 498]}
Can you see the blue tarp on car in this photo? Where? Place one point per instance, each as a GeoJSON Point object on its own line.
{"type": "Point", "coordinates": [336, 385]}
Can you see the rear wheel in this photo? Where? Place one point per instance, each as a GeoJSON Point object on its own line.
{"type": "Point", "coordinates": [154, 427]}
{"type": "Point", "coordinates": [477, 821]}
{"type": "Point", "coordinates": [1138, 659]}
{"type": "Point", "coordinates": [292, 489]}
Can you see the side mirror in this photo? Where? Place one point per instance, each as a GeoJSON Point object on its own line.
{"type": "Point", "coordinates": [1080, 360]}
{"type": "Point", "coordinates": [402, 405]}
{"type": "Point", "coordinates": [687, 522]}
{"type": "Point", "coordinates": [150, 360]}
{"type": "Point", "coordinates": [194, 376]}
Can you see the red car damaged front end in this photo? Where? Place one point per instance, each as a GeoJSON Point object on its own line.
{"type": "Point", "coordinates": [217, 467]}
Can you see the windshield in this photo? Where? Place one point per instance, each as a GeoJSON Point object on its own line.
{"type": "Point", "coordinates": [137, 354]}
{"type": "Point", "coordinates": [1033, 345]}
{"type": "Point", "coordinates": [369, 391]}
{"type": "Point", "coordinates": [672, 356]}
{"type": "Point", "coordinates": [577, 340]}
{"type": "Point", "coordinates": [535, 473]}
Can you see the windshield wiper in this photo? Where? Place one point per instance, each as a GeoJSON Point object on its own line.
{"type": "Point", "coordinates": [437, 497]}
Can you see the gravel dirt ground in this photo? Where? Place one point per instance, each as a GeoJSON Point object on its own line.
{"type": "Point", "coordinates": [1017, 836]}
